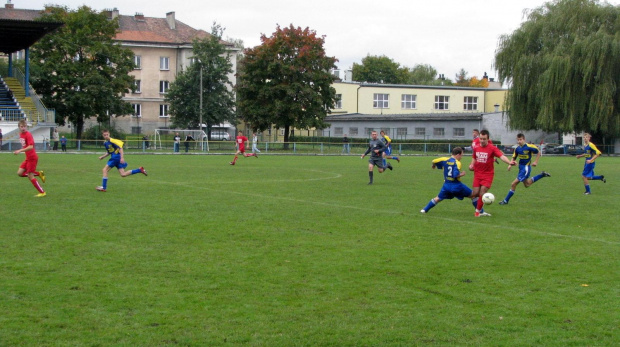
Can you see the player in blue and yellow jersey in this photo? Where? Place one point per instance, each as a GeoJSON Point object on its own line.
{"type": "Point", "coordinates": [452, 186]}
{"type": "Point", "coordinates": [523, 153]}
{"type": "Point", "coordinates": [387, 154]}
{"type": "Point", "coordinates": [588, 169]}
{"type": "Point", "coordinates": [114, 148]}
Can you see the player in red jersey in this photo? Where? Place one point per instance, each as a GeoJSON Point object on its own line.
{"type": "Point", "coordinates": [29, 167]}
{"type": "Point", "coordinates": [476, 142]}
{"type": "Point", "coordinates": [482, 165]}
{"type": "Point", "coordinates": [241, 142]}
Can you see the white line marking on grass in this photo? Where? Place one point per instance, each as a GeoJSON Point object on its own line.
{"type": "Point", "coordinates": [403, 213]}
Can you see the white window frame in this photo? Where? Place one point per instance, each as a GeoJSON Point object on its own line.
{"type": "Point", "coordinates": [470, 103]}
{"type": "Point", "coordinates": [164, 63]}
{"type": "Point", "coordinates": [419, 131]}
{"type": "Point", "coordinates": [338, 103]}
{"type": "Point", "coordinates": [164, 110]}
{"type": "Point", "coordinates": [137, 110]}
{"type": "Point", "coordinates": [353, 131]}
{"type": "Point", "coordinates": [442, 102]}
{"type": "Point", "coordinates": [138, 84]}
{"type": "Point", "coordinates": [439, 132]}
{"type": "Point", "coordinates": [408, 101]}
{"type": "Point", "coordinates": [380, 100]}
{"type": "Point", "coordinates": [458, 132]}
{"type": "Point", "coordinates": [163, 87]}
{"type": "Point", "coordinates": [137, 62]}
{"type": "Point", "coordinates": [401, 131]}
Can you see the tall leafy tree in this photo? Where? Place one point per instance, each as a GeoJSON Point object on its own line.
{"type": "Point", "coordinates": [564, 67]}
{"type": "Point", "coordinates": [211, 56]}
{"type": "Point", "coordinates": [380, 69]}
{"type": "Point", "coordinates": [463, 80]}
{"type": "Point", "coordinates": [423, 74]}
{"type": "Point", "coordinates": [80, 70]}
{"type": "Point", "coordinates": [285, 81]}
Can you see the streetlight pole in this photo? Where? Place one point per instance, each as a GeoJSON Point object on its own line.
{"type": "Point", "coordinates": [200, 124]}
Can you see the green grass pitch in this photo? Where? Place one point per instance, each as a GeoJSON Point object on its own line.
{"type": "Point", "coordinates": [300, 251]}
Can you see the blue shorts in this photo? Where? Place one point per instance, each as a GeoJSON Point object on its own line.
{"type": "Point", "coordinates": [588, 170]}
{"type": "Point", "coordinates": [117, 163]}
{"type": "Point", "coordinates": [524, 172]}
{"type": "Point", "coordinates": [388, 150]}
{"type": "Point", "coordinates": [454, 190]}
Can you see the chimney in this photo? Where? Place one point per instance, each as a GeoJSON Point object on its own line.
{"type": "Point", "coordinates": [139, 16]}
{"type": "Point", "coordinates": [9, 5]}
{"type": "Point", "coordinates": [170, 20]}
{"type": "Point", "coordinates": [115, 13]}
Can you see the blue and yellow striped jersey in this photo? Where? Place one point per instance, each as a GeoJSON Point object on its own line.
{"type": "Point", "coordinates": [591, 150]}
{"type": "Point", "coordinates": [524, 153]}
{"type": "Point", "coordinates": [114, 147]}
{"type": "Point", "coordinates": [451, 168]}
{"type": "Point", "coordinates": [386, 140]}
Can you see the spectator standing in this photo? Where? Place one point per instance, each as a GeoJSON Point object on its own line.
{"type": "Point", "coordinates": [63, 143]}
{"type": "Point", "coordinates": [345, 145]}
{"type": "Point", "coordinates": [55, 139]}
{"type": "Point", "coordinates": [188, 139]}
{"type": "Point", "coordinates": [177, 142]}
{"type": "Point", "coordinates": [255, 143]}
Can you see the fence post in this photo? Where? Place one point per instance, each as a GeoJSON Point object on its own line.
{"type": "Point", "coordinates": [294, 147]}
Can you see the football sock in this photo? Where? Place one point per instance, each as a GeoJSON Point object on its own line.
{"type": "Point", "coordinates": [474, 202]}
{"type": "Point", "coordinates": [104, 183]}
{"type": "Point", "coordinates": [537, 177]}
{"type": "Point", "coordinates": [36, 184]}
{"type": "Point", "coordinates": [135, 171]}
{"type": "Point", "coordinates": [370, 174]}
{"type": "Point", "coordinates": [588, 188]}
{"type": "Point", "coordinates": [600, 178]}
{"type": "Point", "coordinates": [384, 162]}
{"type": "Point", "coordinates": [235, 160]}
{"type": "Point", "coordinates": [479, 205]}
{"type": "Point", "coordinates": [510, 194]}
{"type": "Point", "coordinates": [430, 205]}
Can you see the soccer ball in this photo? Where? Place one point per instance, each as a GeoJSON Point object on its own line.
{"type": "Point", "coordinates": [488, 198]}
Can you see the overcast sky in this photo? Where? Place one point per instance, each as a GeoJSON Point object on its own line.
{"type": "Point", "coordinates": [446, 34]}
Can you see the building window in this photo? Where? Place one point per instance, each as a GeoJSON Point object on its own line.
{"type": "Point", "coordinates": [420, 131]}
{"type": "Point", "coordinates": [338, 103]}
{"type": "Point", "coordinates": [138, 85]}
{"type": "Point", "coordinates": [163, 110]}
{"type": "Point", "coordinates": [439, 132]}
{"type": "Point", "coordinates": [137, 62]}
{"type": "Point", "coordinates": [164, 63]}
{"type": "Point", "coordinates": [338, 131]}
{"type": "Point", "coordinates": [353, 131]}
{"type": "Point", "coordinates": [401, 131]}
{"type": "Point", "coordinates": [442, 102]}
{"type": "Point", "coordinates": [367, 131]}
{"type": "Point", "coordinates": [163, 87]}
{"type": "Point", "coordinates": [381, 101]}
{"type": "Point", "coordinates": [136, 130]}
{"type": "Point", "coordinates": [470, 103]}
{"type": "Point", "coordinates": [137, 110]}
{"type": "Point", "coordinates": [458, 132]}
{"type": "Point", "coordinates": [407, 101]}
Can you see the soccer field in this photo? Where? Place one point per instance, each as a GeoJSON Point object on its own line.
{"type": "Point", "coordinates": [300, 251]}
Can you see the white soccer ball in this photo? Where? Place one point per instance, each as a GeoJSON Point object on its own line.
{"type": "Point", "coordinates": [488, 198]}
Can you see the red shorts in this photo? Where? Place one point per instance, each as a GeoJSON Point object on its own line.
{"type": "Point", "coordinates": [482, 180]}
{"type": "Point", "coordinates": [29, 165]}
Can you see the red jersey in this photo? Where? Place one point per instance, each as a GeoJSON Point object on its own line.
{"type": "Point", "coordinates": [26, 140]}
{"type": "Point", "coordinates": [484, 159]}
{"type": "Point", "coordinates": [241, 140]}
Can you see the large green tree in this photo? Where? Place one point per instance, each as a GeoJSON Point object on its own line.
{"type": "Point", "coordinates": [380, 69]}
{"type": "Point", "coordinates": [285, 81]}
{"type": "Point", "coordinates": [80, 70]}
{"type": "Point", "coordinates": [563, 64]}
{"type": "Point", "coordinates": [211, 56]}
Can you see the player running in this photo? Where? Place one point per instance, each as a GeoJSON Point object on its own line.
{"type": "Point", "coordinates": [28, 168]}
{"type": "Point", "coordinates": [375, 148]}
{"type": "Point", "coordinates": [452, 186]}
{"type": "Point", "coordinates": [240, 144]}
{"type": "Point", "coordinates": [484, 170]}
{"type": "Point", "coordinates": [114, 148]}
{"type": "Point", "coordinates": [387, 154]}
{"type": "Point", "coordinates": [591, 153]}
{"type": "Point", "coordinates": [524, 152]}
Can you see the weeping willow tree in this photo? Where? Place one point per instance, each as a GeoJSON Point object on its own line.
{"type": "Point", "coordinates": [564, 67]}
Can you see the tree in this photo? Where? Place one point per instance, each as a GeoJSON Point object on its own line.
{"type": "Point", "coordinates": [79, 70]}
{"type": "Point", "coordinates": [218, 101]}
{"type": "Point", "coordinates": [564, 67]}
{"type": "Point", "coordinates": [285, 82]}
{"type": "Point", "coordinates": [462, 80]}
{"type": "Point", "coordinates": [423, 74]}
{"type": "Point", "coordinates": [380, 69]}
